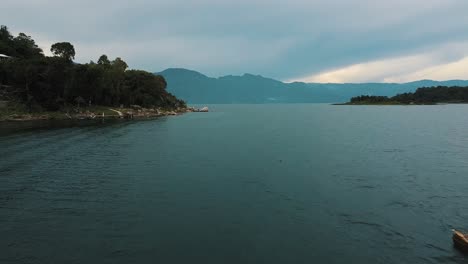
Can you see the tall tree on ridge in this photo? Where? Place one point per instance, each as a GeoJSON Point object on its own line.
{"type": "Point", "coordinates": [64, 50]}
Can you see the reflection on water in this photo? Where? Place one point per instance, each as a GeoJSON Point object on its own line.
{"type": "Point", "coordinates": [242, 184]}
{"type": "Point", "coordinates": [17, 127]}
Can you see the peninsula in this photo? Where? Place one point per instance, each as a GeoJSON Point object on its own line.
{"type": "Point", "coordinates": [422, 96]}
{"type": "Point", "coordinates": [35, 86]}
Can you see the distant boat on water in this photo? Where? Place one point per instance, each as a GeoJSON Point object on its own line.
{"type": "Point", "coordinates": [204, 109]}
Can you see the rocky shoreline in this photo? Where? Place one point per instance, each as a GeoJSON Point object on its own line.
{"type": "Point", "coordinates": [134, 112]}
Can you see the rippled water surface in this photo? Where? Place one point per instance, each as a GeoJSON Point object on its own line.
{"type": "Point", "coordinates": [241, 184]}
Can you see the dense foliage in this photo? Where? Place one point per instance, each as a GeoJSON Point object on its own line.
{"type": "Point", "coordinates": [425, 95]}
{"type": "Point", "coordinates": [370, 99]}
{"type": "Point", "coordinates": [50, 83]}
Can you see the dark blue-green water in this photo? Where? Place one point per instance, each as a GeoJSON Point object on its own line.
{"type": "Point", "coordinates": [242, 184]}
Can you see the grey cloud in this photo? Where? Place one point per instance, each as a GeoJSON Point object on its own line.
{"type": "Point", "coordinates": [224, 37]}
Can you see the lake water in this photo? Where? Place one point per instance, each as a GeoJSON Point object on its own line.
{"type": "Point", "coordinates": [306, 183]}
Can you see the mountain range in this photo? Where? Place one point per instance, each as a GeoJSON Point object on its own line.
{"type": "Point", "coordinates": [196, 88]}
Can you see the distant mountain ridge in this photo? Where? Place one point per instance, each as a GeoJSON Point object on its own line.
{"type": "Point", "coordinates": [197, 88]}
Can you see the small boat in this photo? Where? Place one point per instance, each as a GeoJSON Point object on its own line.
{"type": "Point", "coordinates": [460, 240]}
{"type": "Point", "coordinates": [201, 110]}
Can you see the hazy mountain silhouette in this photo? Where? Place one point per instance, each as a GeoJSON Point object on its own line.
{"type": "Point", "coordinates": [196, 88]}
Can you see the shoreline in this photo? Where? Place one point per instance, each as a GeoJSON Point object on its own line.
{"type": "Point", "coordinates": [383, 104]}
{"type": "Point", "coordinates": [398, 103]}
{"type": "Point", "coordinates": [94, 113]}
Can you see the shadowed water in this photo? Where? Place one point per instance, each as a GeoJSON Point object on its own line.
{"type": "Point", "coordinates": [241, 184]}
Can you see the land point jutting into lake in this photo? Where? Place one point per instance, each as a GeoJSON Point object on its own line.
{"type": "Point", "coordinates": [422, 96]}
{"type": "Point", "coordinates": [35, 86]}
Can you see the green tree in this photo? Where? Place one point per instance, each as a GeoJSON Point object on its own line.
{"type": "Point", "coordinates": [6, 42]}
{"type": "Point", "coordinates": [119, 64]}
{"type": "Point", "coordinates": [103, 60]}
{"type": "Point", "coordinates": [52, 83]}
{"type": "Point", "coordinates": [26, 47]}
{"type": "Point", "coordinates": [5, 34]}
{"type": "Point", "coordinates": [64, 50]}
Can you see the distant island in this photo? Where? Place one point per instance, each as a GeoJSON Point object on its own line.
{"type": "Point", "coordinates": [197, 88]}
{"type": "Point", "coordinates": [34, 86]}
{"type": "Point", "coordinates": [422, 96]}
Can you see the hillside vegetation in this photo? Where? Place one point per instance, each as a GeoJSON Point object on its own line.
{"type": "Point", "coordinates": [35, 82]}
{"type": "Point", "coordinates": [425, 95]}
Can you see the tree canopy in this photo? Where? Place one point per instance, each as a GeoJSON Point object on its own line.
{"type": "Point", "coordinates": [21, 46]}
{"type": "Point", "coordinates": [50, 83]}
{"type": "Point", "coordinates": [64, 50]}
{"type": "Point", "coordinates": [424, 95]}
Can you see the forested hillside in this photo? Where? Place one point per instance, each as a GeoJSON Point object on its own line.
{"type": "Point", "coordinates": [42, 83]}
{"type": "Point", "coordinates": [424, 95]}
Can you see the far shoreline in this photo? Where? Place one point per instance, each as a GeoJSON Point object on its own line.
{"type": "Point", "coordinates": [400, 104]}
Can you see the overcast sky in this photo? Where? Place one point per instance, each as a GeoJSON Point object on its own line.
{"type": "Point", "coordinates": [306, 40]}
